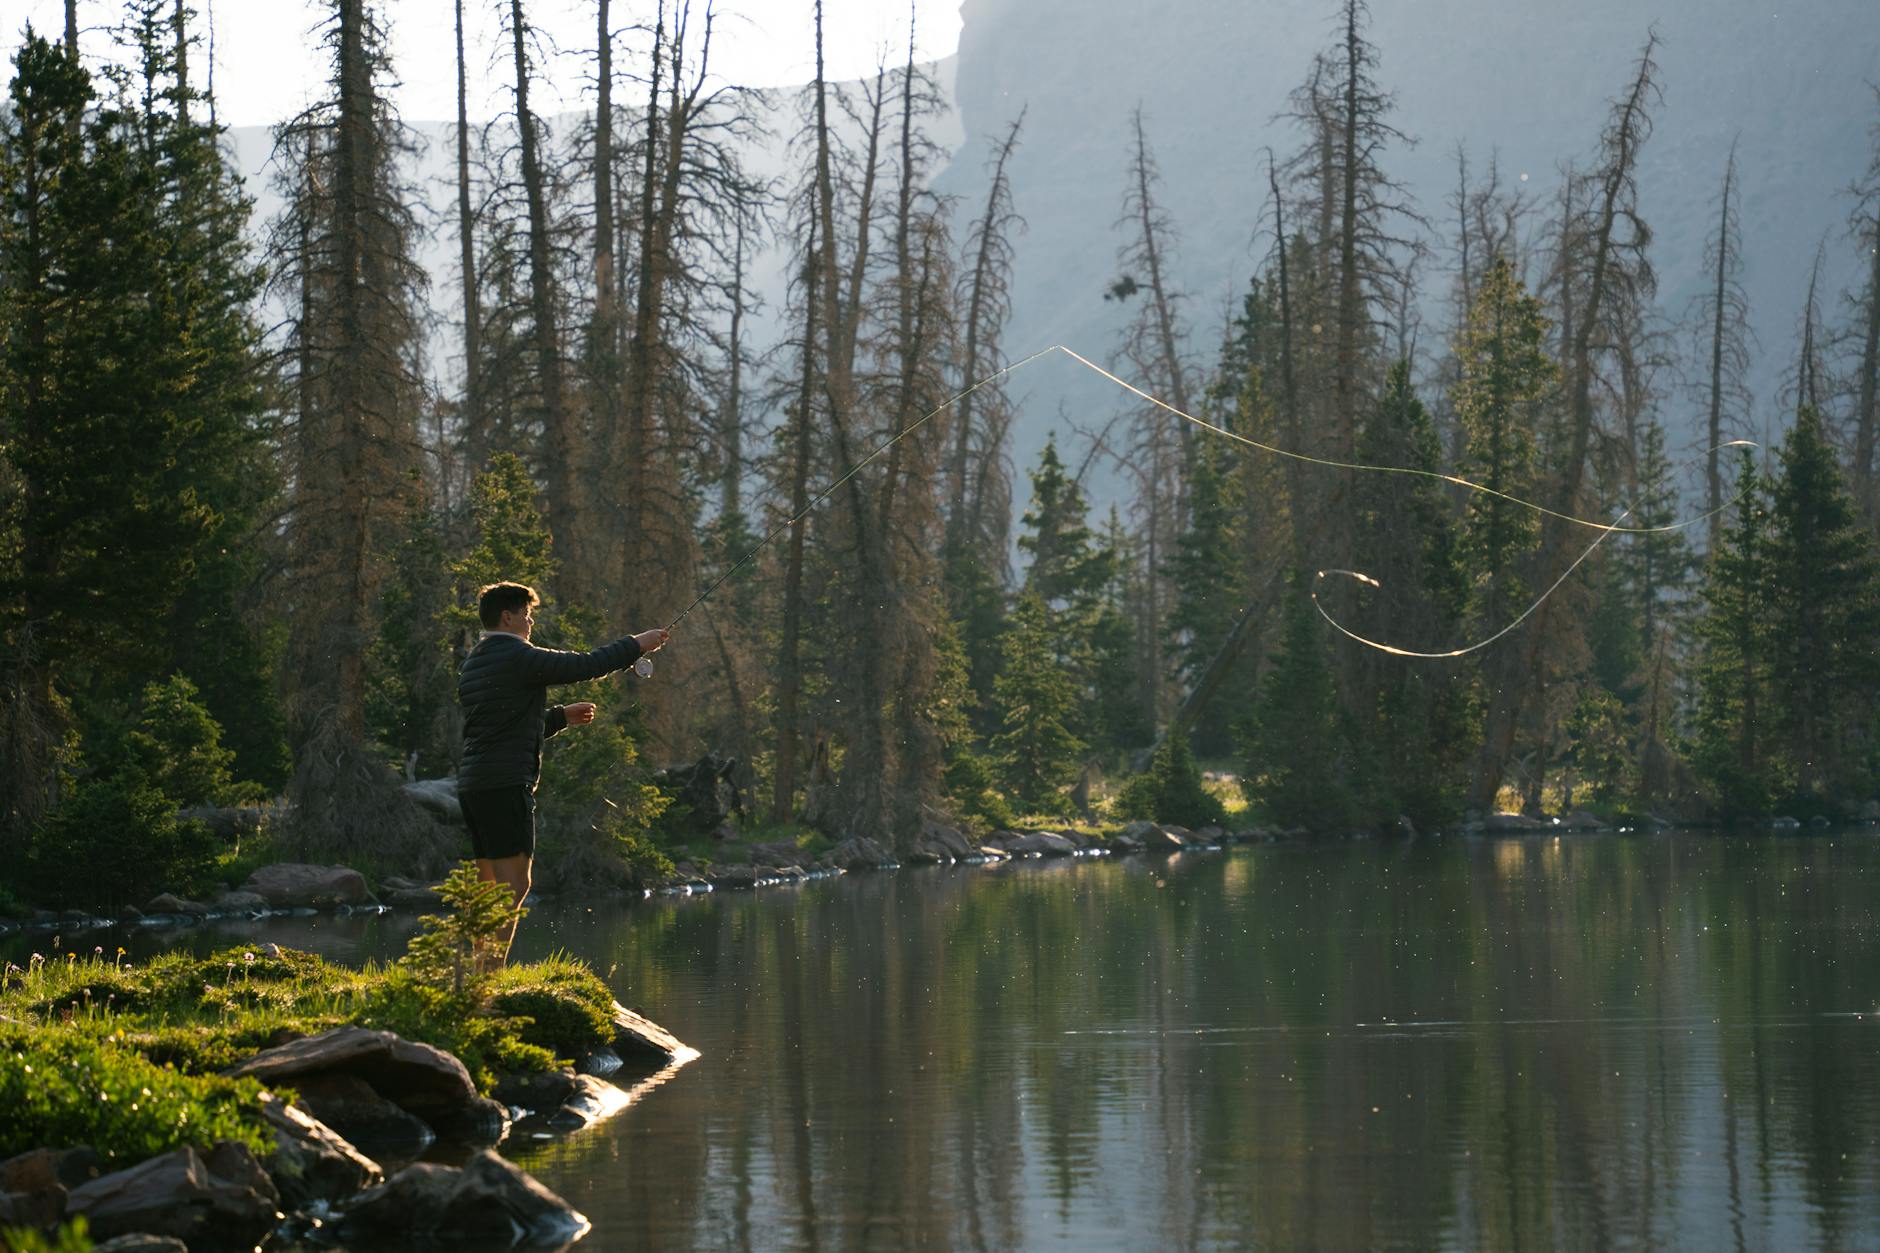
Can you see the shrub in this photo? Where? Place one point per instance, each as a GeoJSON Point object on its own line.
{"type": "Point", "coordinates": [454, 950]}
{"type": "Point", "coordinates": [61, 1090]}
{"type": "Point", "coordinates": [178, 744]}
{"type": "Point", "coordinates": [569, 1010]}
{"type": "Point", "coordinates": [118, 838]}
{"type": "Point", "coordinates": [1170, 790]}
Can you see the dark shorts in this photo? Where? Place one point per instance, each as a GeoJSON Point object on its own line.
{"type": "Point", "coordinates": [501, 821]}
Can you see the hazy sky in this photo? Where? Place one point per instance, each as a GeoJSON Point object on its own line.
{"type": "Point", "coordinates": [266, 67]}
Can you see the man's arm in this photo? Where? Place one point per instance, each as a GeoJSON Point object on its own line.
{"type": "Point", "coordinates": [550, 666]}
{"type": "Point", "coordinates": [556, 719]}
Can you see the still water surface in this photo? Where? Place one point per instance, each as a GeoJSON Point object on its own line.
{"type": "Point", "coordinates": [1663, 1042]}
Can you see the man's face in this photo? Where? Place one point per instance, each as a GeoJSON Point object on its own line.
{"type": "Point", "coordinates": [519, 621]}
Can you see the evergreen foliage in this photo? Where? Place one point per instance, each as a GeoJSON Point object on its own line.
{"type": "Point", "coordinates": [1170, 790]}
{"type": "Point", "coordinates": [1730, 749]}
{"type": "Point", "coordinates": [1824, 616]}
{"type": "Point", "coordinates": [1035, 749]}
{"type": "Point", "coordinates": [1296, 771]}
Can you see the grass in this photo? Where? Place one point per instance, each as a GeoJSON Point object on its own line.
{"type": "Point", "coordinates": [124, 1055]}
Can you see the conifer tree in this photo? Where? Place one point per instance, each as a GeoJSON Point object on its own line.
{"type": "Point", "coordinates": [1068, 570]}
{"type": "Point", "coordinates": [1824, 615]}
{"type": "Point", "coordinates": [1295, 771]}
{"type": "Point", "coordinates": [1730, 747]}
{"type": "Point", "coordinates": [130, 425]}
{"type": "Point", "coordinates": [1208, 574]}
{"type": "Point", "coordinates": [1415, 717]}
{"type": "Point", "coordinates": [1035, 749]}
{"type": "Point", "coordinates": [1505, 374]}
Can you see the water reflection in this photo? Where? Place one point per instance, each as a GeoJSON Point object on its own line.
{"type": "Point", "coordinates": [1626, 1042]}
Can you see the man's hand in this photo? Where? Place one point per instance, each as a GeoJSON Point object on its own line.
{"type": "Point", "coordinates": [652, 641]}
{"type": "Point", "coordinates": [580, 713]}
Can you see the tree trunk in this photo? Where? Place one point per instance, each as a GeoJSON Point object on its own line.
{"type": "Point", "coordinates": [1522, 678]}
{"type": "Point", "coordinates": [789, 660]}
{"type": "Point", "coordinates": [561, 460]}
{"type": "Point", "coordinates": [475, 438]}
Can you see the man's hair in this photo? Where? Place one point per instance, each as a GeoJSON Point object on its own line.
{"type": "Point", "coordinates": [500, 598]}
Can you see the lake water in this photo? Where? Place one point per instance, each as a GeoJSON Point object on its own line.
{"type": "Point", "coordinates": [1653, 1042]}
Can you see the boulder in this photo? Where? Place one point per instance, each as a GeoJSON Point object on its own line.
{"type": "Point", "coordinates": [600, 1062]}
{"type": "Point", "coordinates": [169, 903]}
{"type": "Point", "coordinates": [231, 822]}
{"type": "Point", "coordinates": [240, 903]}
{"type": "Point", "coordinates": [926, 853]}
{"type": "Point", "coordinates": [311, 1161]}
{"type": "Point", "coordinates": [776, 853]}
{"type": "Point", "coordinates": [591, 1100]}
{"type": "Point", "coordinates": [1786, 824]}
{"type": "Point", "coordinates": [1207, 835]}
{"type": "Point", "coordinates": [33, 1185]}
{"type": "Point", "coordinates": [536, 1090]}
{"type": "Point", "coordinates": [413, 898]}
{"type": "Point", "coordinates": [1513, 824]}
{"type": "Point", "coordinates": [290, 885]}
{"type": "Point", "coordinates": [43, 1209]}
{"type": "Point", "coordinates": [946, 839]}
{"type": "Point", "coordinates": [437, 795]}
{"type": "Point", "coordinates": [858, 853]}
{"type": "Point", "coordinates": [1581, 820]}
{"type": "Point", "coordinates": [1869, 811]}
{"type": "Point", "coordinates": [637, 1036]}
{"type": "Point", "coordinates": [1041, 844]}
{"type": "Point", "coordinates": [737, 876]}
{"type": "Point", "coordinates": [425, 1082]}
{"type": "Point", "coordinates": [488, 1202]}
{"type": "Point", "coordinates": [230, 1204]}
{"type": "Point", "coordinates": [354, 1108]}
{"type": "Point", "coordinates": [141, 1242]}
{"type": "Point", "coordinates": [992, 852]}
{"type": "Point", "coordinates": [42, 1169]}
{"type": "Point", "coordinates": [1158, 839]}
{"type": "Point", "coordinates": [1404, 827]}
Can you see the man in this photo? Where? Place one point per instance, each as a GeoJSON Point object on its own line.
{"type": "Point", "coordinates": [506, 716]}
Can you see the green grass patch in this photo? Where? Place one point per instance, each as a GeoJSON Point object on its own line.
{"type": "Point", "coordinates": [567, 1008]}
{"type": "Point", "coordinates": [61, 1089]}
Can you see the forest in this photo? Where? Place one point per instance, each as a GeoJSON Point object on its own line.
{"type": "Point", "coordinates": [246, 501]}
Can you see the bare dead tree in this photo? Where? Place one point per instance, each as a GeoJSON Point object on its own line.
{"type": "Point", "coordinates": [474, 436]}
{"type": "Point", "coordinates": [1611, 245]}
{"type": "Point", "coordinates": [1725, 315]}
{"type": "Point", "coordinates": [987, 301]}
{"type": "Point", "coordinates": [1864, 228]}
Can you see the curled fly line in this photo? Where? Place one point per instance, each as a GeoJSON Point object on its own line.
{"type": "Point", "coordinates": [1524, 615]}
{"type": "Point", "coordinates": [854, 470]}
{"type": "Point", "coordinates": [1605, 529]}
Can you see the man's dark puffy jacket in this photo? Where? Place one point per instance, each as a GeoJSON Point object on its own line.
{"type": "Point", "coordinates": [504, 690]}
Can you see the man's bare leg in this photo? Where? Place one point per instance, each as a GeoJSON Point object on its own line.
{"type": "Point", "coordinates": [515, 872]}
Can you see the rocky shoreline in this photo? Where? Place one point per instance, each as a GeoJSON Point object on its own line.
{"type": "Point", "coordinates": [343, 1166]}
{"type": "Point", "coordinates": [290, 889]}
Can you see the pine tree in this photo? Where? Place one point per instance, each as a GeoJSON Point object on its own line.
{"type": "Point", "coordinates": [1415, 717]}
{"type": "Point", "coordinates": [1068, 570]}
{"type": "Point", "coordinates": [1208, 573]}
{"type": "Point", "coordinates": [1505, 373]}
{"type": "Point", "coordinates": [1824, 615]}
{"type": "Point", "coordinates": [130, 433]}
{"type": "Point", "coordinates": [1296, 759]}
{"type": "Point", "coordinates": [1730, 747]}
{"type": "Point", "coordinates": [1036, 751]}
